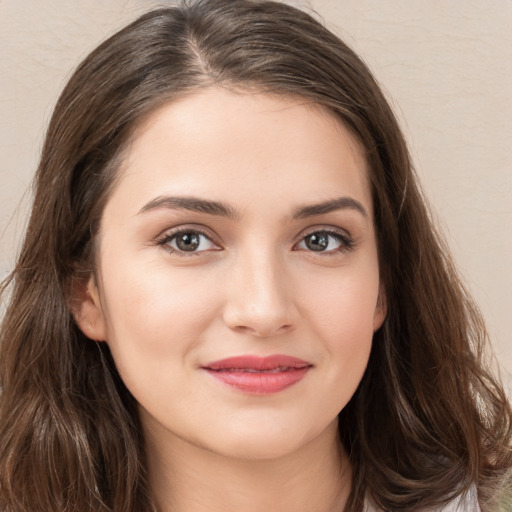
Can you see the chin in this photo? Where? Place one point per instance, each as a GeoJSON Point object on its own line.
{"type": "Point", "coordinates": [260, 447]}
{"type": "Point", "coordinates": [267, 442]}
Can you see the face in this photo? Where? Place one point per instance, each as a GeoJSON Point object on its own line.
{"type": "Point", "coordinates": [237, 281]}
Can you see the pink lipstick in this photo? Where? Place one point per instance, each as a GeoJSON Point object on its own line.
{"type": "Point", "coordinates": [259, 375]}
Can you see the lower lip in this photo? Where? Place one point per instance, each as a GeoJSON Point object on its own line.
{"type": "Point", "coordinates": [260, 383]}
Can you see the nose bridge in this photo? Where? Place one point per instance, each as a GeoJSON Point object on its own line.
{"type": "Point", "coordinates": [259, 296]}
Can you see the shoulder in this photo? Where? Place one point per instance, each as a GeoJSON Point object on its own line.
{"type": "Point", "coordinates": [466, 503]}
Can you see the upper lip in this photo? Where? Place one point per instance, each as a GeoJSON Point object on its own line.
{"type": "Point", "coordinates": [250, 362]}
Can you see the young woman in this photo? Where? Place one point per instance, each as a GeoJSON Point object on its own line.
{"type": "Point", "coordinates": [230, 295]}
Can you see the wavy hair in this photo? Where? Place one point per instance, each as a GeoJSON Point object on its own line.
{"type": "Point", "coordinates": [428, 420]}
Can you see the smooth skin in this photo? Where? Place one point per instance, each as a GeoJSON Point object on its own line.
{"type": "Point", "coordinates": [254, 270]}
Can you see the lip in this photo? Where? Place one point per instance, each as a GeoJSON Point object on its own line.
{"type": "Point", "coordinates": [259, 375]}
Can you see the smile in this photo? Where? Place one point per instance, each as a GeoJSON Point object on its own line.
{"type": "Point", "coordinates": [257, 375]}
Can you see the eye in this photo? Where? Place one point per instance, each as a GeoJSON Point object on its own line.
{"type": "Point", "coordinates": [326, 241]}
{"type": "Point", "coordinates": [187, 241]}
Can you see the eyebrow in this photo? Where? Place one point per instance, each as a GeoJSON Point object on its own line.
{"type": "Point", "coordinates": [340, 203]}
{"type": "Point", "coordinates": [193, 204]}
{"type": "Point", "coordinates": [196, 204]}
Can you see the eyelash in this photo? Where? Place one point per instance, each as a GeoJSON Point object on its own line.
{"type": "Point", "coordinates": [347, 242]}
{"type": "Point", "coordinates": [167, 238]}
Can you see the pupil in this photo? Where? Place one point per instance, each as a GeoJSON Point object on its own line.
{"type": "Point", "coordinates": [188, 242]}
{"type": "Point", "coordinates": [317, 242]}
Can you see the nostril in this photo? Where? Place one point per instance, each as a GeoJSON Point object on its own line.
{"type": "Point", "coordinates": [261, 331]}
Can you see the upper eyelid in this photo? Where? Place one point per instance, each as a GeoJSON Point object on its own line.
{"type": "Point", "coordinates": [345, 239]}
{"type": "Point", "coordinates": [326, 229]}
{"type": "Point", "coordinates": [171, 232]}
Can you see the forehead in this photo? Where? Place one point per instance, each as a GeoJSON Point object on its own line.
{"type": "Point", "coordinates": [229, 145]}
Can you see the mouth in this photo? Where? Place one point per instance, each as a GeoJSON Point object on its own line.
{"type": "Point", "coordinates": [259, 375]}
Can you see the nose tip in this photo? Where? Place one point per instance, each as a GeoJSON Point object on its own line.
{"type": "Point", "coordinates": [259, 302]}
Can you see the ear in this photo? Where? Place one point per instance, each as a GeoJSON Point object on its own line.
{"type": "Point", "coordinates": [381, 309]}
{"type": "Point", "coordinates": [86, 309]}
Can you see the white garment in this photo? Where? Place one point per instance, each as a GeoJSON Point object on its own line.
{"type": "Point", "coordinates": [466, 503]}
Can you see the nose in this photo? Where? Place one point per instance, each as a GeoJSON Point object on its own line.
{"type": "Point", "coordinates": [259, 297]}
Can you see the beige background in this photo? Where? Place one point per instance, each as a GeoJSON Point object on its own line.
{"type": "Point", "coordinates": [447, 65]}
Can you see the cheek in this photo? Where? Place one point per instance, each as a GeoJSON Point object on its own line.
{"type": "Point", "coordinates": [343, 305]}
{"type": "Point", "coordinates": [342, 317]}
{"type": "Point", "coordinates": [155, 317]}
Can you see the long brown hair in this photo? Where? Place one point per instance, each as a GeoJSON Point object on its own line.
{"type": "Point", "coordinates": [428, 420]}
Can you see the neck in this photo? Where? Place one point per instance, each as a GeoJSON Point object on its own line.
{"type": "Point", "coordinates": [188, 478]}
